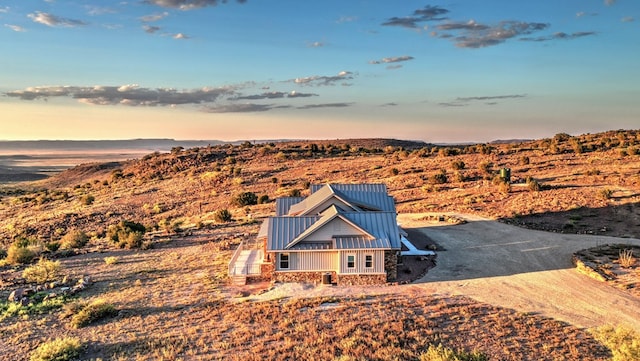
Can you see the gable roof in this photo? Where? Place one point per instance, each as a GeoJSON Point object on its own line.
{"type": "Point", "coordinates": [327, 216]}
{"type": "Point", "coordinates": [379, 231]}
{"type": "Point", "coordinates": [358, 197]}
{"type": "Point", "coordinates": [283, 204]}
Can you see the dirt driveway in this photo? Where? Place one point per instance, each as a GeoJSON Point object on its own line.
{"type": "Point", "coordinates": [526, 270]}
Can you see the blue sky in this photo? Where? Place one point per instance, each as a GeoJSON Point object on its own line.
{"type": "Point", "coordinates": [446, 71]}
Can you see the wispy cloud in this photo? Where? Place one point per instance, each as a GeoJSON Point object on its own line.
{"type": "Point", "coordinates": [53, 20]}
{"type": "Point", "coordinates": [295, 94]}
{"type": "Point", "coordinates": [99, 10]}
{"type": "Point", "coordinates": [315, 44]}
{"type": "Point", "coordinates": [150, 29]}
{"type": "Point", "coordinates": [581, 14]}
{"type": "Point", "coordinates": [610, 2]}
{"type": "Point", "coordinates": [395, 59]}
{"type": "Point", "coordinates": [132, 95]}
{"type": "Point", "coordinates": [560, 36]}
{"type": "Point", "coordinates": [428, 13]}
{"type": "Point", "coordinates": [317, 80]}
{"type": "Point", "coordinates": [627, 19]}
{"type": "Point", "coordinates": [346, 19]}
{"type": "Point", "coordinates": [241, 108]}
{"type": "Point", "coordinates": [325, 105]}
{"type": "Point", "coordinates": [471, 34]}
{"type": "Point", "coordinates": [16, 28]}
{"type": "Point", "coordinates": [487, 99]}
{"type": "Point", "coordinates": [154, 17]}
{"type": "Point", "coordinates": [181, 36]}
{"type": "Point", "coordinates": [188, 4]}
{"type": "Point", "coordinates": [4, 10]}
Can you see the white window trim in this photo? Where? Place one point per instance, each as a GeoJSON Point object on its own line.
{"type": "Point", "coordinates": [288, 260]}
{"type": "Point", "coordinates": [372, 262]}
{"type": "Point", "coordinates": [354, 261]}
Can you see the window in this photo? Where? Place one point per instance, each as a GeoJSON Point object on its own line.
{"type": "Point", "coordinates": [368, 261]}
{"type": "Point", "coordinates": [351, 261]}
{"type": "Point", "coordinates": [284, 260]}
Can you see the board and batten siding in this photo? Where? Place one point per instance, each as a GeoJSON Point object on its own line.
{"type": "Point", "coordinates": [378, 261]}
{"type": "Point", "coordinates": [310, 261]}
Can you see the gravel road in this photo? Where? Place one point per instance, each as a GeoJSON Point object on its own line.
{"type": "Point", "coordinates": [526, 270]}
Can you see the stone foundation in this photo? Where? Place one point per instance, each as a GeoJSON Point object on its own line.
{"type": "Point", "coordinates": [308, 277]}
{"type": "Point", "coordinates": [391, 265]}
{"type": "Point", "coordinates": [361, 280]}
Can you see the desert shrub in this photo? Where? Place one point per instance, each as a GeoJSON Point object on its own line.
{"type": "Point", "coordinates": [263, 199]}
{"type": "Point", "coordinates": [126, 234]}
{"type": "Point", "coordinates": [624, 343]}
{"type": "Point", "coordinates": [245, 199]}
{"type": "Point", "coordinates": [441, 353]}
{"type": "Point", "coordinates": [593, 172]}
{"type": "Point", "coordinates": [222, 216]}
{"type": "Point", "coordinates": [74, 239]}
{"type": "Point", "coordinates": [43, 271]}
{"type": "Point", "coordinates": [626, 258]}
{"type": "Point", "coordinates": [60, 349]}
{"type": "Point", "coordinates": [485, 168]}
{"type": "Point", "coordinates": [524, 160]}
{"type": "Point", "coordinates": [458, 164]}
{"type": "Point", "coordinates": [533, 185]}
{"type": "Point", "coordinates": [3, 253]}
{"type": "Point", "coordinates": [87, 199]}
{"type": "Point", "coordinates": [294, 193]}
{"type": "Point", "coordinates": [20, 254]}
{"type": "Point", "coordinates": [111, 260]}
{"type": "Point", "coordinates": [606, 193]}
{"type": "Point", "coordinates": [52, 246]}
{"type": "Point", "coordinates": [274, 180]}
{"type": "Point", "coordinates": [94, 311]}
{"type": "Point", "coordinates": [394, 171]}
{"type": "Point", "coordinates": [439, 178]}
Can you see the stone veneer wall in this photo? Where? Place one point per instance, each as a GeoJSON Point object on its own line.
{"type": "Point", "coordinates": [361, 279]}
{"type": "Point", "coordinates": [309, 277]}
{"type": "Point", "coordinates": [391, 265]}
{"type": "Point", "coordinates": [266, 273]}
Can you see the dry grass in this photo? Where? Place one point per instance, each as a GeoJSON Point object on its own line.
{"type": "Point", "coordinates": [173, 300]}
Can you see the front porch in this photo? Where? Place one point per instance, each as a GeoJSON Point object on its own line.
{"type": "Point", "coordinates": [245, 263]}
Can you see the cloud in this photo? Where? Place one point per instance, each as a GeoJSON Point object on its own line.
{"type": "Point", "coordinates": [325, 105]}
{"type": "Point", "coordinates": [474, 35]}
{"type": "Point", "coordinates": [295, 94]}
{"type": "Point", "coordinates": [581, 14]}
{"type": "Point", "coordinates": [393, 67]}
{"type": "Point", "coordinates": [627, 19]}
{"type": "Point", "coordinates": [181, 36]}
{"type": "Point", "coordinates": [316, 44]}
{"type": "Point", "coordinates": [561, 36]}
{"type": "Point", "coordinates": [610, 2]}
{"type": "Point", "coordinates": [154, 17]}
{"type": "Point", "coordinates": [428, 13]}
{"type": "Point", "coordinates": [241, 108]}
{"type": "Point", "coordinates": [97, 10]}
{"type": "Point", "coordinates": [317, 80]}
{"type": "Point", "coordinates": [188, 4]}
{"type": "Point", "coordinates": [392, 104]}
{"type": "Point", "coordinates": [493, 97]}
{"type": "Point", "coordinates": [16, 28]}
{"type": "Point", "coordinates": [346, 19]}
{"type": "Point", "coordinates": [132, 95]}
{"type": "Point", "coordinates": [395, 59]}
{"type": "Point", "coordinates": [487, 99]}
{"type": "Point", "coordinates": [268, 95]}
{"type": "Point", "coordinates": [150, 29]}
{"type": "Point", "coordinates": [4, 10]}
{"type": "Point", "coordinates": [53, 20]}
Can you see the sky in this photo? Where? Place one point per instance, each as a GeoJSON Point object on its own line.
{"type": "Point", "coordinates": [439, 71]}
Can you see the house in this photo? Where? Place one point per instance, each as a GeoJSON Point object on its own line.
{"type": "Point", "coordinates": [348, 231]}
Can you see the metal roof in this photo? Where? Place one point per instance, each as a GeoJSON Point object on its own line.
{"type": "Point", "coordinates": [289, 232]}
{"type": "Point", "coordinates": [360, 197]}
{"type": "Point", "coordinates": [284, 203]}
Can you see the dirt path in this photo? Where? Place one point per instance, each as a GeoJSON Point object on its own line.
{"type": "Point", "coordinates": [526, 270]}
{"type": "Point", "coordinates": [502, 265]}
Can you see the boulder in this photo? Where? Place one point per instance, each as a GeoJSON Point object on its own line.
{"type": "Point", "coordinates": [16, 295]}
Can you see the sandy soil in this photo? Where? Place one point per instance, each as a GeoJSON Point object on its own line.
{"type": "Point", "coordinates": [502, 265]}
